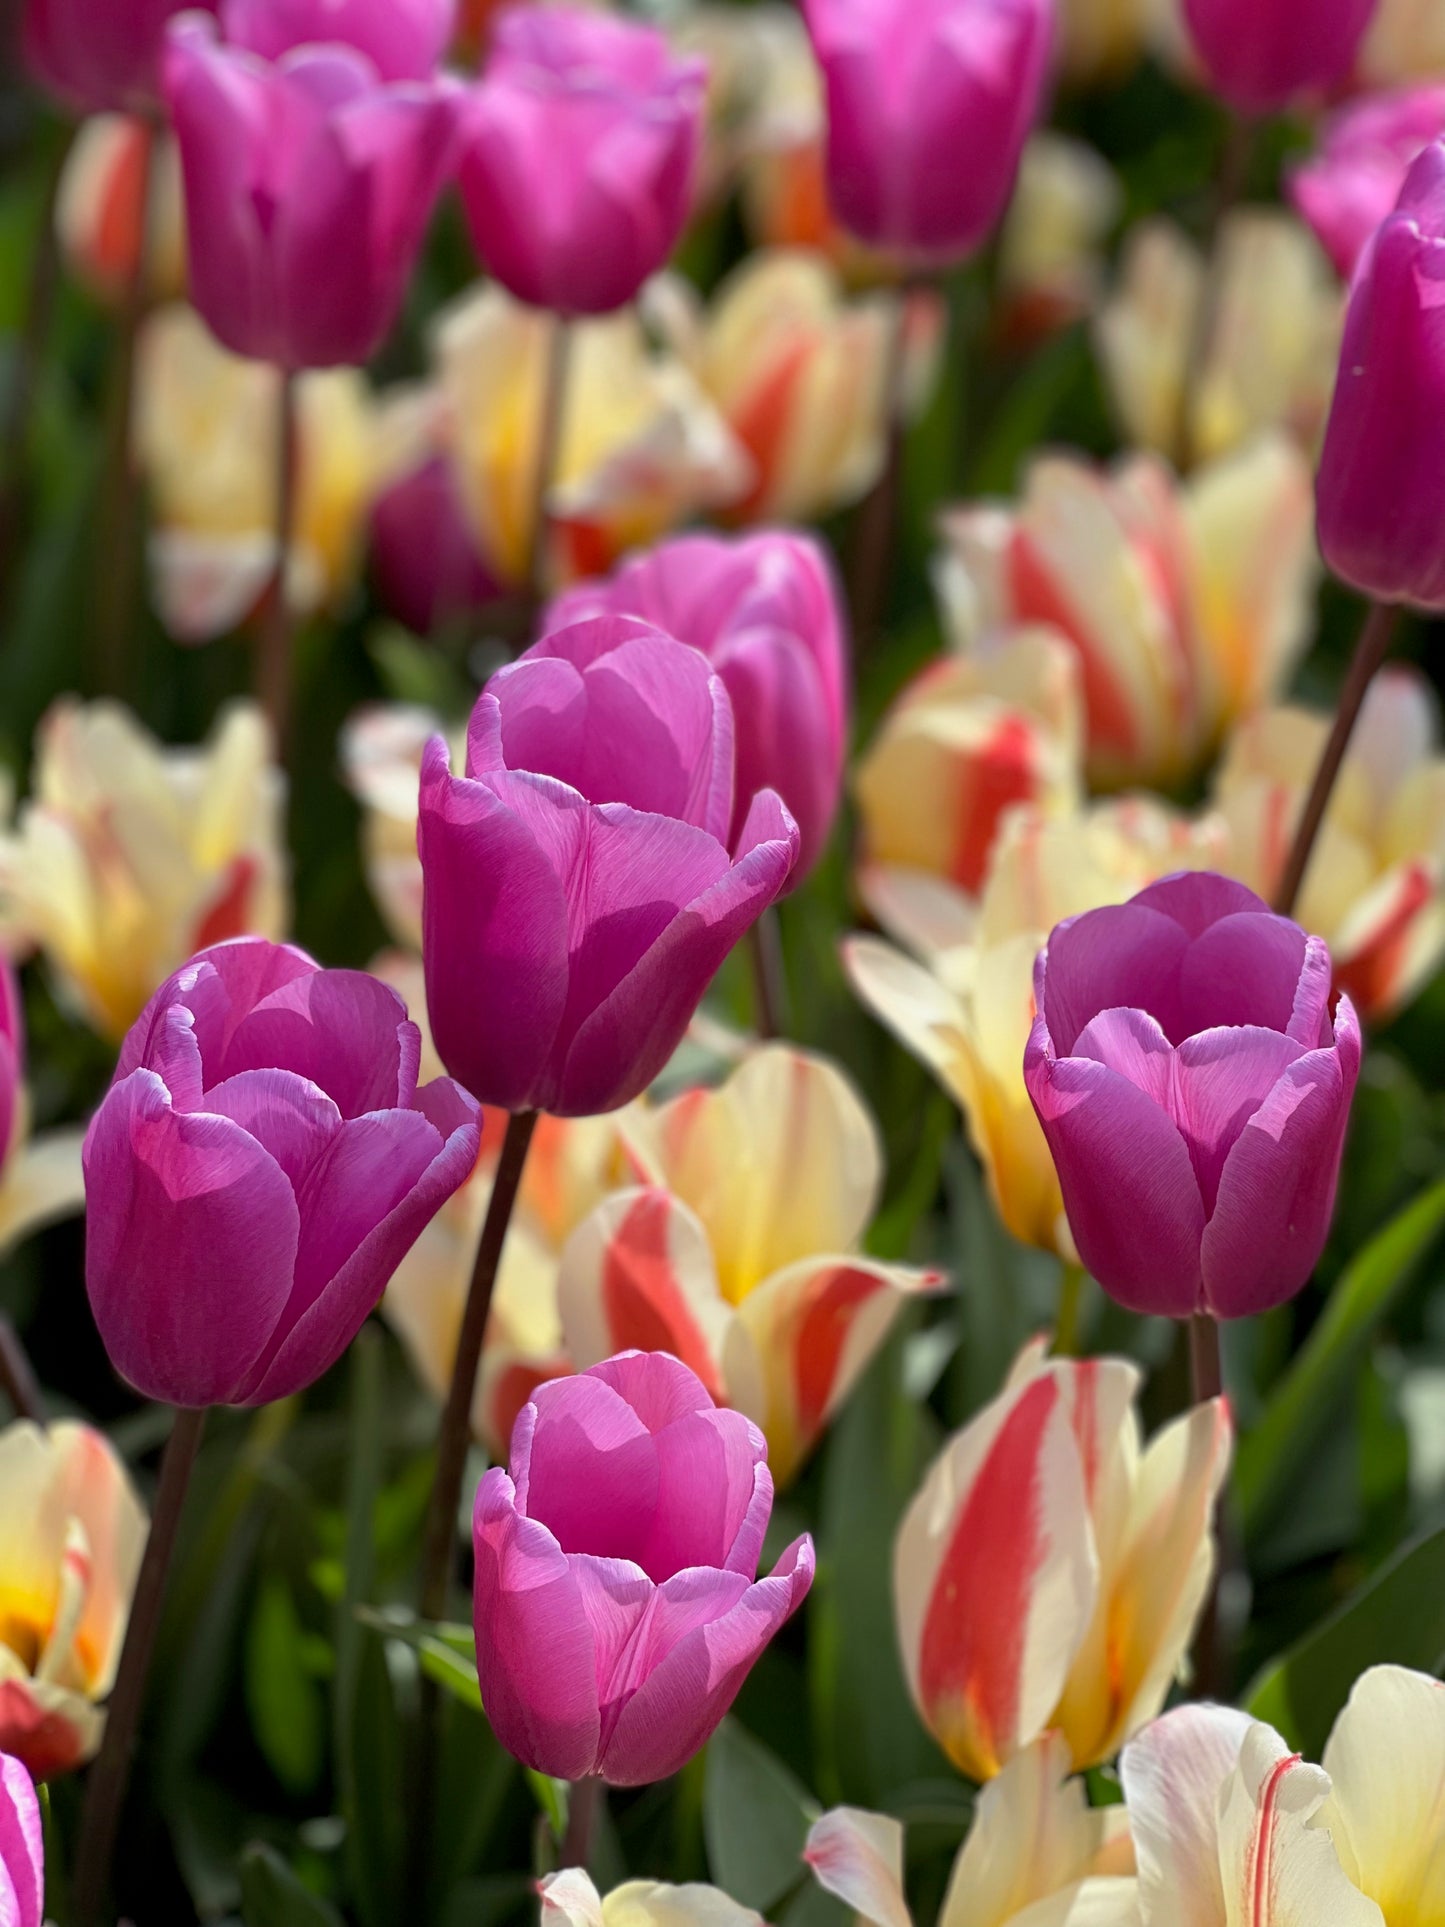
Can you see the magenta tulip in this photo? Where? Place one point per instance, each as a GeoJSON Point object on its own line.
{"type": "Point", "coordinates": [260, 1166]}
{"type": "Point", "coordinates": [1381, 487]}
{"type": "Point", "coordinates": [102, 58]}
{"type": "Point", "coordinates": [579, 153]}
{"type": "Point", "coordinates": [1262, 55]}
{"type": "Point", "coordinates": [309, 184]}
{"type": "Point", "coordinates": [617, 1612]}
{"type": "Point", "coordinates": [12, 1057]}
{"type": "Point", "coordinates": [1194, 1089]}
{"type": "Point", "coordinates": [404, 39]}
{"type": "Point", "coordinates": [765, 610]}
{"type": "Point", "coordinates": [22, 1848]}
{"type": "Point", "coordinates": [929, 105]}
{"type": "Point", "coordinates": [581, 889]}
{"type": "Point", "coordinates": [424, 557]}
{"type": "Point", "coordinates": [1352, 183]}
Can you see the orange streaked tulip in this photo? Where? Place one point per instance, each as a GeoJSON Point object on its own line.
{"type": "Point", "coordinates": [1188, 606]}
{"type": "Point", "coordinates": [969, 739]}
{"type": "Point", "coordinates": [1098, 1554]}
{"type": "Point", "coordinates": [740, 1252]}
{"type": "Point", "coordinates": [100, 213]}
{"type": "Point", "coordinates": [72, 1532]}
{"type": "Point", "coordinates": [1375, 888]}
{"type": "Point", "coordinates": [130, 857]}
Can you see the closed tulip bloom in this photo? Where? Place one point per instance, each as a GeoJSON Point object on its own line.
{"type": "Point", "coordinates": [1352, 182]}
{"type": "Point", "coordinates": [258, 1169]}
{"type": "Point", "coordinates": [616, 1608]}
{"type": "Point", "coordinates": [102, 59]}
{"type": "Point", "coordinates": [569, 1899]}
{"type": "Point", "coordinates": [929, 105]}
{"type": "Point", "coordinates": [1382, 474]}
{"type": "Point", "coordinates": [404, 39]}
{"type": "Point", "coordinates": [579, 155]}
{"type": "Point", "coordinates": [1094, 1583]}
{"type": "Point", "coordinates": [582, 889]}
{"type": "Point", "coordinates": [1262, 55]}
{"type": "Point", "coordinates": [312, 159]}
{"type": "Point", "coordinates": [22, 1849]}
{"type": "Point", "coordinates": [74, 1535]}
{"type": "Point", "coordinates": [1194, 1085]}
{"type": "Point", "coordinates": [766, 612]}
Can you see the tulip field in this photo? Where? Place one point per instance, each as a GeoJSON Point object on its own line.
{"type": "Point", "coordinates": [722, 963]}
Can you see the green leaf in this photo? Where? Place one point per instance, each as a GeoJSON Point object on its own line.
{"type": "Point", "coordinates": [551, 1797]}
{"type": "Point", "coordinates": [1397, 1618]}
{"type": "Point", "coordinates": [1279, 1447]}
{"type": "Point", "coordinates": [448, 1654]}
{"type": "Point", "coordinates": [287, 1714]}
{"type": "Point", "coordinates": [755, 1818]}
{"type": "Point", "coordinates": [272, 1896]}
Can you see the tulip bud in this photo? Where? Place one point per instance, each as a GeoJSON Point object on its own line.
{"type": "Point", "coordinates": [929, 105]}
{"type": "Point", "coordinates": [616, 1609]}
{"type": "Point", "coordinates": [580, 148]}
{"type": "Point", "coordinates": [1382, 475]}
{"type": "Point", "coordinates": [404, 39]}
{"type": "Point", "coordinates": [1261, 55]}
{"type": "Point", "coordinates": [1194, 1088]}
{"type": "Point", "coordinates": [22, 1848]}
{"type": "Point", "coordinates": [74, 1535]}
{"type": "Point", "coordinates": [351, 185]}
{"type": "Point", "coordinates": [766, 612]}
{"type": "Point", "coordinates": [259, 1167]}
{"type": "Point", "coordinates": [582, 889]}
{"type": "Point", "coordinates": [102, 59]}
{"type": "Point", "coordinates": [1354, 180]}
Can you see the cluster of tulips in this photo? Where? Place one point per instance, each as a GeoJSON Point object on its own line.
{"type": "Point", "coordinates": [1134, 911]}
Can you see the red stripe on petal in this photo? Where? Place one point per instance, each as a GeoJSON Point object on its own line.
{"type": "Point", "coordinates": [820, 1335]}
{"type": "Point", "coordinates": [1259, 1874]}
{"type": "Point", "coordinates": [642, 1300]}
{"type": "Point", "coordinates": [230, 915]}
{"type": "Point", "coordinates": [1038, 598]}
{"type": "Point", "coordinates": [1004, 776]}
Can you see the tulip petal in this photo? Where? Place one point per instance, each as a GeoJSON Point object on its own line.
{"type": "Point", "coordinates": [714, 1496]}
{"type": "Point", "coordinates": [302, 1024]}
{"type": "Point", "coordinates": [1124, 956]}
{"type": "Point", "coordinates": [22, 1846]}
{"type": "Point", "coordinates": [652, 1903]}
{"type": "Point", "coordinates": [287, 1115]}
{"type": "Point", "coordinates": [569, 1899]}
{"type": "Point", "coordinates": [182, 1205]}
{"type": "Point", "coordinates": [1386, 1760]}
{"type": "Point", "coordinates": [589, 1471]}
{"type": "Point", "coordinates": [661, 1390]}
{"type": "Point", "coordinates": [1279, 1869]}
{"type": "Point", "coordinates": [1129, 1186]}
{"type": "Point", "coordinates": [1195, 899]}
{"type": "Point", "coordinates": [1174, 1774]}
{"type": "Point", "coordinates": [536, 1654]}
{"type": "Point", "coordinates": [1245, 970]}
{"type": "Point", "coordinates": [1277, 1192]}
{"type": "Point", "coordinates": [858, 1856]}
{"type": "Point", "coordinates": [1221, 1079]}
{"type": "Point", "coordinates": [49, 1729]}
{"type": "Point", "coordinates": [44, 1181]}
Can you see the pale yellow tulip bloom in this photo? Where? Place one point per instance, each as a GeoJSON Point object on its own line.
{"type": "Point", "coordinates": [739, 1254]}
{"type": "Point", "coordinates": [1036, 1854]}
{"type": "Point", "coordinates": [1375, 888]}
{"type": "Point", "coordinates": [1273, 333]}
{"type": "Point", "coordinates": [1406, 42]}
{"type": "Point", "coordinates": [72, 1532]}
{"type": "Point", "coordinates": [100, 216]}
{"type": "Point", "coordinates": [569, 1899]}
{"type": "Point", "coordinates": [381, 752]}
{"type": "Point", "coordinates": [206, 434]}
{"type": "Point", "coordinates": [1050, 252]}
{"type": "Point", "coordinates": [963, 1002]}
{"type": "Point", "coordinates": [130, 857]}
{"type": "Point", "coordinates": [641, 450]}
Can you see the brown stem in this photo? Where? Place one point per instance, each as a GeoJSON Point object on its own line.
{"type": "Point", "coordinates": [19, 407]}
{"type": "Point", "coordinates": [770, 982]}
{"type": "Point", "coordinates": [1206, 1362]}
{"type": "Point", "coordinates": [1211, 1656]}
{"type": "Point", "coordinates": [1370, 653]}
{"type": "Point", "coordinates": [110, 1775]}
{"type": "Point", "coordinates": [549, 454]}
{"type": "Point", "coordinates": [17, 1376]}
{"type": "Point", "coordinates": [583, 1809]}
{"type": "Point", "coordinates": [273, 649]}
{"type": "Point", "coordinates": [1229, 188]}
{"type": "Point", "coordinates": [117, 544]}
{"type": "Point", "coordinates": [876, 528]}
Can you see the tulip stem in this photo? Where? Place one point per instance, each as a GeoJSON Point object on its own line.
{"type": "Point", "coordinates": [1068, 1331]}
{"type": "Point", "coordinates": [770, 980]}
{"type": "Point", "coordinates": [1230, 185]}
{"type": "Point", "coordinates": [1206, 1361]}
{"type": "Point", "coordinates": [110, 1775]}
{"type": "Point", "coordinates": [17, 1376]}
{"type": "Point", "coordinates": [1370, 653]}
{"type": "Point", "coordinates": [117, 542]}
{"type": "Point", "coordinates": [273, 651]}
{"type": "Point", "coordinates": [549, 456]}
{"type": "Point", "coordinates": [875, 532]}
{"type": "Point", "coordinates": [25, 374]}
{"type": "Point", "coordinates": [584, 1805]}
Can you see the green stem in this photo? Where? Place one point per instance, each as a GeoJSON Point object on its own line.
{"type": "Point", "coordinates": [549, 455]}
{"type": "Point", "coordinates": [584, 1807]}
{"type": "Point", "coordinates": [273, 651]}
{"type": "Point", "coordinates": [1067, 1332]}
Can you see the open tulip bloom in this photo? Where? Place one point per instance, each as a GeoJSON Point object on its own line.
{"type": "Point", "coordinates": [1193, 1074]}
{"type": "Point", "coordinates": [617, 1613]}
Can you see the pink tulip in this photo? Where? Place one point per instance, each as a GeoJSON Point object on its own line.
{"type": "Point", "coordinates": [765, 610]}
{"type": "Point", "coordinates": [1194, 1090]}
{"type": "Point", "coordinates": [581, 884]}
{"type": "Point", "coordinates": [423, 556]}
{"type": "Point", "coordinates": [22, 1849]}
{"type": "Point", "coordinates": [260, 1166]}
{"type": "Point", "coordinates": [309, 185]}
{"type": "Point", "coordinates": [1262, 55]}
{"type": "Point", "coordinates": [929, 105]}
{"type": "Point", "coordinates": [404, 39]}
{"type": "Point", "coordinates": [580, 150]}
{"type": "Point", "coordinates": [1381, 484]}
{"type": "Point", "coordinates": [102, 58]}
{"type": "Point", "coordinates": [1353, 181]}
{"type": "Point", "coordinates": [617, 1612]}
